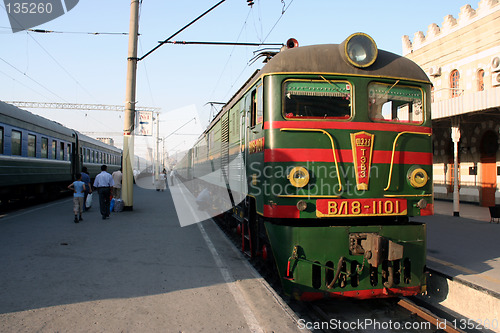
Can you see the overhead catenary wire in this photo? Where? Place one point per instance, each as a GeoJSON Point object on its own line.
{"type": "Point", "coordinates": [283, 11]}
{"type": "Point", "coordinates": [223, 43]}
{"type": "Point", "coordinates": [179, 31]}
{"type": "Point", "coordinates": [35, 81]}
{"type": "Point", "coordinates": [61, 66]}
{"type": "Point", "coordinates": [24, 85]}
{"type": "Point", "coordinates": [230, 54]}
{"type": "Point", "coordinates": [42, 31]}
{"type": "Point", "coordinates": [57, 62]}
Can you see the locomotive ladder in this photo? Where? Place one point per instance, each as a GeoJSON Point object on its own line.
{"type": "Point", "coordinates": [246, 242]}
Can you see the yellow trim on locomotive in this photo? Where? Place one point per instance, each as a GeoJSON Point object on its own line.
{"type": "Point", "coordinates": [393, 151]}
{"type": "Point", "coordinates": [331, 140]}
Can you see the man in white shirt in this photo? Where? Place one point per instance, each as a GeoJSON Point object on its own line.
{"type": "Point", "coordinates": [117, 188]}
{"type": "Point", "coordinates": [103, 182]}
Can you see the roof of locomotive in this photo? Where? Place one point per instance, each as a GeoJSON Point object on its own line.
{"type": "Point", "coordinates": [327, 58]}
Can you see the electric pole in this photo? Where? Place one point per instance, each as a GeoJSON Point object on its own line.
{"type": "Point", "coordinates": [129, 121]}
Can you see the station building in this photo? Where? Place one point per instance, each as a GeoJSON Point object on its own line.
{"type": "Point", "coordinates": [462, 59]}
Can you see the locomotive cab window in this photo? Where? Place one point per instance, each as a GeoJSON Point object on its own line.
{"type": "Point", "coordinates": [317, 100]}
{"type": "Point", "coordinates": [255, 104]}
{"type": "Point", "coordinates": [398, 104]}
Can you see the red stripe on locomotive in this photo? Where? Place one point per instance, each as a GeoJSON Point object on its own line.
{"type": "Point", "coordinates": [286, 212]}
{"type": "Point", "coordinates": [343, 155]}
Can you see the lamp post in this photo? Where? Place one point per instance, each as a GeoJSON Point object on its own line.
{"type": "Point", "coordinates": [455, 137]}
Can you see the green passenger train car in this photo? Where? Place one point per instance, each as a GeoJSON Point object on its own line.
{"type": "Point", "coordinates": [336, 164]}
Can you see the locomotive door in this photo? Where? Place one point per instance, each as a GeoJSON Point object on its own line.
{"type": "Point", "coordinates": [243, 144]}
{"type": "Point", "coordinates": [254, 158]}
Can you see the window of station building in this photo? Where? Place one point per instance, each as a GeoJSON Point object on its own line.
{"type": "Point", "coordinates": [44, 151]}
{"type": "Point", "coordinates": [328, 100]}
{"type": "Point", "coordinates": [455, 83]}
{"type": "Point", "coordinates": [480, 80]}
{"type": "Point", "coordinates": [31, 145]}
{"type": "Point", "coordinates": [393, 103]}
{"type": "Point", "coordinates": [1, 140]}
{"type": "Point", "coordinates": [16, 143]}
{"type": "Point", "coordinates": [54, 146]}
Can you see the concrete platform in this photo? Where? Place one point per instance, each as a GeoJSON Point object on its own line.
{"type": "Point", "coordinates": [139, 271]}
{"type": "Point", "coordinates": [467, 250]}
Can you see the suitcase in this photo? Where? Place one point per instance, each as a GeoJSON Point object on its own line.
{"type": "Point", "coordinates": [118, 205]}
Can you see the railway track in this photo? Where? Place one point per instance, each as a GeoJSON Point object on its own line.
{"type": "Point", "coordinates": [396, 315]}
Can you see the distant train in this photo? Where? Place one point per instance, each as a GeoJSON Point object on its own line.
{"type": "Point", "coordinates": [337, 156]}
{"type": "Point", "coordinates": [40, 157]}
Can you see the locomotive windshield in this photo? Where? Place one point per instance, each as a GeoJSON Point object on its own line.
{"type": "Point", "coordinates": [317, 100]}
{"type": "Point", "coordinates": [394, 103]}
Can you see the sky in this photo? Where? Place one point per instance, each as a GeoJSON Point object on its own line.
{"type": "Point", "coordinates": [76, 65]}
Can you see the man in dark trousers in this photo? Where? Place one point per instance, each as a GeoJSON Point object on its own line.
{"type": "Point", "coordinates": [88, 188]}
{"type": "Point", "coordinates": [104, 182]}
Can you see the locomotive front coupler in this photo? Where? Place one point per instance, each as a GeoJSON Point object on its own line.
{"type": "Point", "coordinates": [375, 250]}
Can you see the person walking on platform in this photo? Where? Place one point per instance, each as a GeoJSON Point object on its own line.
{"type": "Point", "coordinates": [78, 188]}
{"type": "Point", "coordinates": [103, 182]}
{"type": "Point", "coordinates": [117, 188]}
{"type": "Point", "coordinates": [88, 187]}
{"type": "Point", "coordinates": [172, 174]}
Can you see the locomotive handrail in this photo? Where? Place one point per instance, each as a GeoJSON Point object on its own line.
{"type": "Point", "coordinates": [393, 151]}
{"type": "Point", "coordinates": [332, 142]}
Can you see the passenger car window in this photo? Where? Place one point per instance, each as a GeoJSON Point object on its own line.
{"type": "Point", "coordinates": [31, 145]}
{"type": "Point", "coordinates": [44, 151]}
{"type": "Point", "coordinates": [16, 143]}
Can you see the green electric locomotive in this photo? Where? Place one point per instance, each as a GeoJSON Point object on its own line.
{"type": "Point", "coordinates": [335, 158]}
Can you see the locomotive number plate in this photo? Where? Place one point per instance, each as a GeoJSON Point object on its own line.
{"type": "Point", "coordinates": [360, 207]}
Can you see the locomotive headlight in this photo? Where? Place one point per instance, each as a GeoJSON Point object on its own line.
{"type": "Point", "coordinates": [360, 50]}
{"type": "Point", "coordinates": [299, 176]}
{"type": "Point", "coordinates": [417, 177]}
{"type": "Point", "coordinates": [301, 205]}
